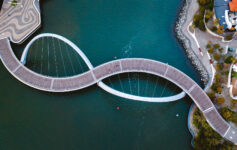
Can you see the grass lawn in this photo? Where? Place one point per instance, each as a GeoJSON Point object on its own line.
{"type": "Point", "coordinates": [234, 74]}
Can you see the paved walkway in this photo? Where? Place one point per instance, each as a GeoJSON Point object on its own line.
{"type": "Point", "coordinates": [18, 22]}
{"type": "Point", "coordinates": [195, 44]}
{"type": "Point", "coordinates": [103, 71]}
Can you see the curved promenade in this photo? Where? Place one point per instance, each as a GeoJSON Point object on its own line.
{"type": "Point", "coordinates": [90, 66]}
{"type": "Point", "coordinates": [103, 71]}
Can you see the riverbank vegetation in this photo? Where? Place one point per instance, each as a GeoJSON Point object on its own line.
{"type": "Point", "coordinates": [229, 115]}
{"type": "Point", "coordinates": [207, 138]}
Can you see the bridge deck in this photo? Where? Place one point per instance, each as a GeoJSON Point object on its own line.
{"type": "Point", "coordinates": [73, 83]}
{"type": "Point", "coordinates": [202, 100]}
{"type": "Point", "coordinates": [7, 56]}
{"type": "Point", "coordinates": [115, 67]}
{"type": "Point", "coordinates": [216, 121]}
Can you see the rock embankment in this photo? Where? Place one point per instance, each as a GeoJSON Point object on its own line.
{"type": "Point", "coordinates": [186, 42]}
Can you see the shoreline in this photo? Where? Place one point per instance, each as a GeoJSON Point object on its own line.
{"type": "Point", "coordinates": [196, 62]}
{"type": "Point", "coordinates": [191, 127]}
{"type": "Point", "coordinates": [186, 42]}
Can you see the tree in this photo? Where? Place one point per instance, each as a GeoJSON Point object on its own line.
{"type": "Point", "coordinates": [210, 50]}
{"type": "Point", "coordinates": [233, 102]}
{"type": "Point", "coordinates": [228, 37]}
{"type": "Point", "coordinates": [209, 42]}
{"type": "Point", "coordinates": [211, 95]}
{"type": "Point", "coordinates": [216, 46]}
{"type": "Point", "coordinates": [207, 138]}
{"type": "Point", "coordinates": [213, 29]}
{"type": "Point", "coordinates": [208, 46]}
{"type": "Point", "coordinates": [209, 14]}
{"type": "Point", "coordinates": [215, 85]}
{"type": "Point", "coordinates": [220, 30]}
{"type": "Point", "coordinates": [220, 100]}
{"type": "Point", "coordinates": [219, 66]}
{"type": "Point", "coordinates": [218, 75]}
{"type": "Point", "coordinates": [217, 57]}
{"type": "Point", "coordinates": [216, 22]}
{"type": "Point", "coordinates": [13, 2]}
{"type": "Point", "coordinates": [226, 113]}
{"type": "Point", "coordinates": [199, 22]}
{"type": "Point", "coordinates": [233, 59]}
{"type": "Point", "coordinates": [221, 50]}
{"type": "Point", "coordinates": [203, 2]}
{"type": "Point", "coordinates": [229, 59]}
{"type": "Point", "coordinates": [219, 89]}
{"type": "Point", "coordinates": [201, 25]}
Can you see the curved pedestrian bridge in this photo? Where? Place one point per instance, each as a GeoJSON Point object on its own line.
{"type": "Point", "coordinates": [97, 74]}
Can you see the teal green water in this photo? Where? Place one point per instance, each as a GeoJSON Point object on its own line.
{"type": "Point", "coordinates": [88, 119]}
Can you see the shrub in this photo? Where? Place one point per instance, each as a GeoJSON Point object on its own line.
{"type": "Point", "coordinates": [218, 76]}
{"type": "Point", "coordinates": [228, 37]}
{"type": "Point", "coordinates": [207, 138]}
{"type": "Point", "coordinates": [216, 21]}
{"type": "Point", "coordinates": [209, 14]}
{"type": "Point", "coordinates": [221, 50]}
{"type": "Point", "coordinates": [220, 30]}
{"type": "Point", "coordinates": [226, 73]}
{"type": "Point", "coordinates": [199, 22]}
{"type": "Point", "coordinates": [196, 19]}
{"type": "Point", "coordinates": [219, 67]}
{"type": "Point", "coordinates": [215, 85]}
{"type": "Point", "coordinates": [208, 46]}
{"type": "Point", "coordinates": [220, 100]}
{"type": "Point", "coordinates": [202, 25]}
{"type": "Point", "coordinates": [211, 95]}
{"type": "Point", "coordinates": [203, 2]}
{"type": "Point", "coordinates": [228, 114]}
{"type": "Point", "coordinates": [210, 50]}
{"type": "Point", "coordinates": [217, 57]}
{"type": "Point", "coordinates": [13, 2]}
{"type": "Point", "coordinates": [233, 102]}
{"type": "Point", "coordinates": [229, 60]}
{"type": "Point", "coordinates": [216, 46]}
{"type": "Point", "coordinates": [219, 89]}
{"type": "Point", "coordinates": [213, 29]}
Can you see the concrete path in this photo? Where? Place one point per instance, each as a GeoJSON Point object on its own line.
{"type": "Point", "coordinates": [18, 22]}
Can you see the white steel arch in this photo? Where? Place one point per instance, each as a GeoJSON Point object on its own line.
{"type": "Point", "coordinates": [100, 83]}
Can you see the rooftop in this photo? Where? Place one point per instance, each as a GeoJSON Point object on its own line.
{"type": "Point", "coordinates": [220, 7]}
{"type": "Point", "coordinates": [233, 5]}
